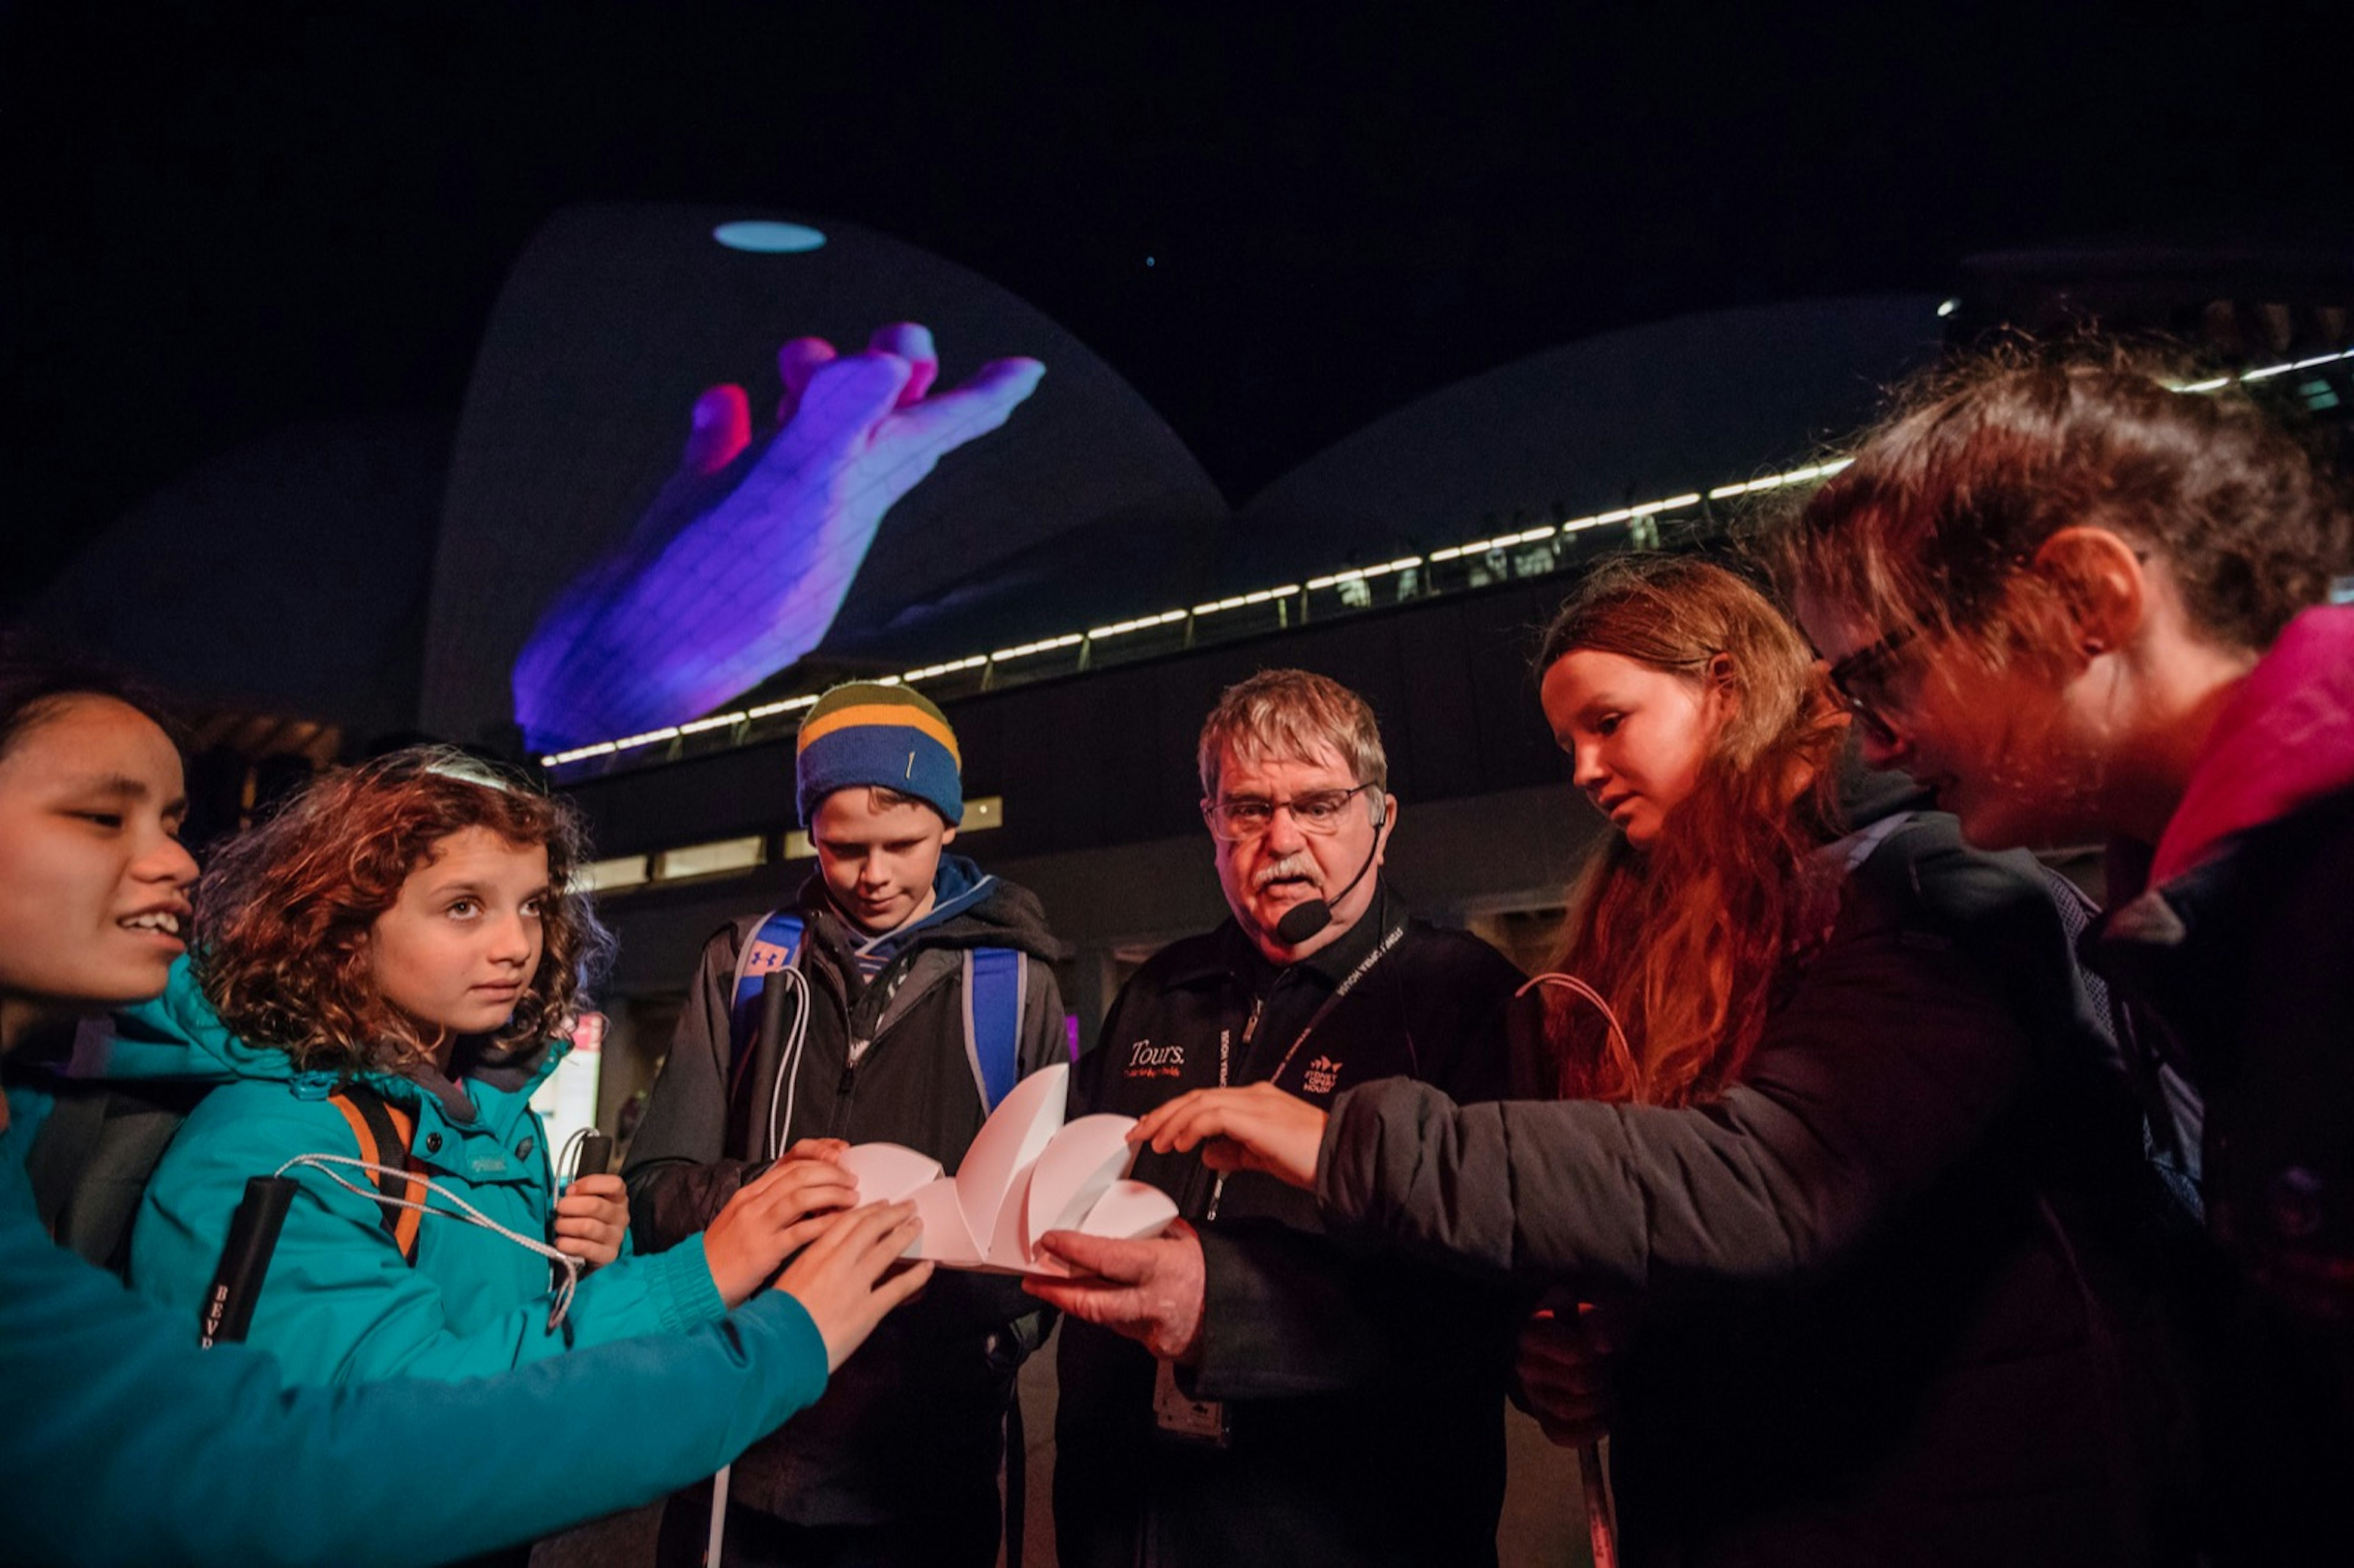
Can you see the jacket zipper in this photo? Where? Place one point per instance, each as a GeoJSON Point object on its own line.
{"type": "Point", "coordinates": [855, 1048]}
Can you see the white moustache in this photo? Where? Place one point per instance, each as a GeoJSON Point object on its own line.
{"type": "Point", "coordinates": [1290, 866]}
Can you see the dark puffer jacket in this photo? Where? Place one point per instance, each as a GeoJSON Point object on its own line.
{"type": "Point", "coordinates": [911, 1427]}
{"type": "Point", "coordinates": [2235, 965]}
{"type": "Point", "coordinates": [1884, 1292]}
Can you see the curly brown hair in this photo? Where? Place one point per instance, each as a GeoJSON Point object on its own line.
{"type": "Point", "coordinates": [284, 911]}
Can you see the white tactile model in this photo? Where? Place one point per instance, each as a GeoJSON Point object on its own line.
{"type": "Point", "coordinates": [1027, 1173]}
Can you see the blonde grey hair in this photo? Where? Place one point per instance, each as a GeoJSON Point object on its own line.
{"type": "Point", "coordinates": [1293, 715]}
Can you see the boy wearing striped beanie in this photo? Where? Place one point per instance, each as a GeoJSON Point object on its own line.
{"type": "Point", "coordinates": [895, 1002]}
{"type": "Point", "coordinates": [879, 783]}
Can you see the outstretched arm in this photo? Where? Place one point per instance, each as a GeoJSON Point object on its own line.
{"type": "Point", "coordinates": [122, 1442]}
{"type": "Point", "coordinates": [743, 560]}
{"type": "Point", "coordinates": [1889, 1062]}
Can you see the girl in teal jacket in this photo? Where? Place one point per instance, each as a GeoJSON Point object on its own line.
{"type": "Point", "coordinates": [120, 1442]}
{"type": "Point", "coordinates": [409, 925]}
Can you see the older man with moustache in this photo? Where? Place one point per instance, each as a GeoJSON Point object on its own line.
{"type": "Point", "coordinates": [1241, 1390]}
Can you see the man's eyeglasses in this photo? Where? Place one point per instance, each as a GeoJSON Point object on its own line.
{"type": "Point", "coordinates": [1862, 680]}
{"type": "Point", "coordinates": [1246, 817]}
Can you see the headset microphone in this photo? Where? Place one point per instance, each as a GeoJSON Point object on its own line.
{"type": "Point", "coordinates": [1302, 921]}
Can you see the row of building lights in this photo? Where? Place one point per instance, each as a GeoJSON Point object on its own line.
{"type": "Point", "coordinates": [1625, 515]}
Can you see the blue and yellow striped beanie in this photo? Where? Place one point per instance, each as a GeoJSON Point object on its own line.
{"type": "Point", "coordinates": [867, 734]}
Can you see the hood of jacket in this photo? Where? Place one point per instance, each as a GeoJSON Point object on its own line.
{"type": "Point", "coordinates": [178, 1035]}
{"type": "Point", "coordinates": [972, 909]}
{"type": "Point", "coordinates": [2284, 740]}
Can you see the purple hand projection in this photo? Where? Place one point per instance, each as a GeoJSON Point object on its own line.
{"type": "Point", "coordinates": [741, 563]}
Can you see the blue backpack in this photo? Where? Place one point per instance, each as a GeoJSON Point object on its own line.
{"type": "Point", "coordinates": [996, 984]}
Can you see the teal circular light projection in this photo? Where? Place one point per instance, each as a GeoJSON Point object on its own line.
{"type": "Point", "coordinates": [768, 238]}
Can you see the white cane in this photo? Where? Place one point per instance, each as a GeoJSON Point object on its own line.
{"type": "Point", "coordinates": [718, 1518]}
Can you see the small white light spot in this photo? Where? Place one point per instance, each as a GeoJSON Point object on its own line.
{"type": "Point", "coordinates": [767, 237]}
{"type": "Point", "coordinates": [1948, 307]}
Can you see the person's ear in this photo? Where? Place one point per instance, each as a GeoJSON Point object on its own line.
{"type": "Point", "coordinates": [1722, 681]}
{"type": "Point", "coordinates": [2102, 586]}
{"type": "Point", "coordinates": [1388, 825]}
{"type": "Point", "coordinates": [948, 835]}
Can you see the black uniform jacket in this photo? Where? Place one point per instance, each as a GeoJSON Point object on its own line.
{"type": "Point", "coordinates": [1363, 1394]}
{"type": "Point", "coordinates": [913, 1424]}
{"type": "Point", "coordinates": [1889, 1296]}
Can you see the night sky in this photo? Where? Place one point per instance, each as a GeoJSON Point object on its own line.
{"type": "Point", "coordinates": [222, 219]}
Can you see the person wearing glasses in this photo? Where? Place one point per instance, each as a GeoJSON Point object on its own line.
{"type": "Point", "coordinates": [1830, 1135]}
{"type": "Point", "coordinates": [1240, 1391]}
{"type": "Point", "coordinates": [2088, 596]}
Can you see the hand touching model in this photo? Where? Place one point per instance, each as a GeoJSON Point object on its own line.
{"type": "Point", "coordinates": [1256, 1128]}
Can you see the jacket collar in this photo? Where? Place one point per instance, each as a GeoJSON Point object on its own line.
{"type": "Point", "coordinates": [2284, 742]}
{"type": "Point", "coordinates": [972, 909]}
{"type": "Point", "coordinates": [2284, 739]}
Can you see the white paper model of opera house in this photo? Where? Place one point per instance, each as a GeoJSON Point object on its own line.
{"type": "Point", "coordinates": [1027, 1173]}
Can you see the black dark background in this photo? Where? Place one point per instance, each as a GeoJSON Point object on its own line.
{"type": "Point", "coordinates": [220, 218]}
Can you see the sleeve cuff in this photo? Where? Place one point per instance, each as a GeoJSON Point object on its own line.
{"type": "Point", "coordinates": [681, 1288]}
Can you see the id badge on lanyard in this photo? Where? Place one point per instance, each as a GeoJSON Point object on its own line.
{"type": "Point", "coordinates": [1180, 1416]}
{"type": "Point", "coordinates": [1175, 1413]}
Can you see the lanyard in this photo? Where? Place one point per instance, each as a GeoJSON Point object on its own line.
{"type": "Point", "coordinates": [1364, 966]}
{"type": "Point", "coordinates": [1251, 1027]}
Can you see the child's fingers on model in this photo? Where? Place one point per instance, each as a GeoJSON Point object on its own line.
{"type": "Point", "coordinates": [898, 1287]}
{"type": "Point", "coordinates": [860, 1231]}
{"type": "Point", "coordinates": [815, 1186]}
{"type": "Point", "coordinates": [891, 1244]}
{"type": "Point", "coordinates": [787, 1173]}
{"type": "Point", "coordinates": [818, 1148]}
{"type": "Point", "coordinates": [800, 1232]}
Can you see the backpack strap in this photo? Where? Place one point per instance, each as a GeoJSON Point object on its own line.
{"type": "Point", "coordinates": [384, 1131]}
{"type": "Point", "coordinates": [93, 1157]}
{"type": "Point", "coordinates": [996, 986]}
{"type": "Point", "coordinates": [776, 945]}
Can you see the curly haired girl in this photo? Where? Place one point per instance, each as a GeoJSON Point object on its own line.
{"type": "Point", "coordinates": [123, 1441]}
{"type": "Point", "coordinates": [406, 938]}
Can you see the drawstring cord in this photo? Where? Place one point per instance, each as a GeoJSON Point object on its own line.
{"type": "Point", "coordinates": [1618, 1035]}
{"type": "Point", "coordinates": [789, 1062]}
{"type": "Point", "coordinates": [325, 1165]}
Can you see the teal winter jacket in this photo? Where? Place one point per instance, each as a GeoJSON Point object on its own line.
{"type": "Point", "coordinates": [340, 1305]}
{"type": "Point", "coordinates": [120, 1442]}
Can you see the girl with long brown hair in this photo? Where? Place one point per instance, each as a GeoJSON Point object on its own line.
{"type": "Point", "coordinates": [386, 970]}
{"type": "Point", "coordinates": [1683, 933]}
{"type": "Point", "coordinates": [1864, 1297]}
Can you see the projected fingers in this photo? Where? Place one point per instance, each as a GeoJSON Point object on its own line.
{"type": "Point", "coordinates": [720, 427]}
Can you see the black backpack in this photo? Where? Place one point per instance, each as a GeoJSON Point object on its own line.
{"type": "Point", "coordinates": [91, 1159]}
